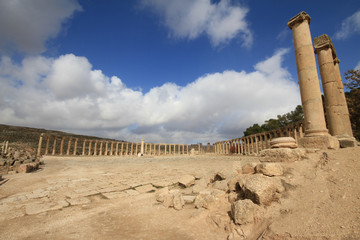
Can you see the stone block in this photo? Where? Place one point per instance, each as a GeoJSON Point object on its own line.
{"type": "Point", "coordinates": [199, 186]}
{"type": "Point", "coordinates": [187, 180]}
{"type": "Point", "coordinates": [24, 168]}
{"type": "Point", "coordinates": [189, 199]}
{"type": "Point", "coordinates": [283, 142]}
{"type": "Point", "coordinates": [204, 200]}
{"type": "Point", "coordinates": [161, 193]}
{"type": "Point", "coordinates": [260, 189]}
{"type": "Point", "coordinates": [248, 168]}
{"type": "Point", "coordinates": [282, 155]}
{"type": "Point", "coordinates": [221, 185]}
{"type": "Point", "coordinates": [319, 142]}
{"type": "Point", "coordinates": [270, 169]}
{"type": "Point", "coordinates": [243, 211]}
{"type": "Point", "coordinates": [178, 200]}
{"type": "Point", "coordinates": [347, 142]}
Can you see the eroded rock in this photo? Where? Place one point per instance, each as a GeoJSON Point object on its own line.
{"type": "Point", "coordinates": [270, 169]}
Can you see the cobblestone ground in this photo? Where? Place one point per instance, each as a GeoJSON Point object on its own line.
{"type": "Point", "coordinates": [82, 191]}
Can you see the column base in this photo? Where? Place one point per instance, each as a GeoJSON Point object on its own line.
{"type": "Point", "coordinates": [347, 142]}
{"type": "Point", "coordinates": [319, 142]}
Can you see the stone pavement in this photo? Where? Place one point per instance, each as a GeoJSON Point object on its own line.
{"type": "Point", "coordinates": [67, 181]}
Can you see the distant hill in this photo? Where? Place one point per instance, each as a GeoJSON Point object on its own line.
{"type": "Point", "coordinates": [26, 137]}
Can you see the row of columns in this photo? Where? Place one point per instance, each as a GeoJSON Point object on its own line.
{"type": "Point", "coordinates": [257, 142]}
{"type": "Point", "coordinates": [165, 149]}
{"type": "Point", "coordinates": [69, 146]}
{"type": "Point", "coordinates": [335, 102]}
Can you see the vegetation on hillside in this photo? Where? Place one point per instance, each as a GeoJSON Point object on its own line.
{"type": "Point", "coordinates": [353, 99]}
{"type": "Point", "coordinates": [281, 121]}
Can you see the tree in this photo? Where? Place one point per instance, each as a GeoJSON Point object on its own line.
{"type": "Point", "coordinates": [253, 130]}
{"type": "Point", "coordinates": [353, 99]}
{"type": "Point", "coordinates": [281, 121]}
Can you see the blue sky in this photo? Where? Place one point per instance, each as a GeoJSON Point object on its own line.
{"type": "Point", "coordinates": [166, 71]}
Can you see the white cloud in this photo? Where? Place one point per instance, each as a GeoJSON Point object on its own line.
{"type": "Point", "coordinates": [349, 26]}
{"type": "Point", "coordinates": [221, 21]}
{"type": "Point", "coordinates": [66, 93]}
{"type": "Point", "coordinates": [357, 66]}
{"type": "Point", "coordinates": [27, 25]}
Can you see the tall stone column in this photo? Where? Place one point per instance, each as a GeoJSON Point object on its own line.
{"type": "Point", "coordinates": [142, 147]}
{"type": "Point", "coordinates": [75, 146]}
{"type": "Point", "coordinates": [106, 148]}
{"type": "Point", "coordinates": [308, 77]}
{"type": "Point", "coordinates": [68, 148]}
{"type": "Point", "coordinates": [39, 145]}
{"type": "Point", "coordinates": [325, 51]}
{"type": "Point", "coordinates": [47, 145]}
{"type": "Point", "coordinates": [90, 142]}
{"type": "Point", "coordinates": [122, 149]}
{"type": "Point", "coordinates": [62, 146]}
{"type": "Point", "coordinates": [83, 149]}
{"type": "Point", "coordinates": [117, 149]}
{"type": "Point", "coordinates": [95, 148]}
{"type": "Point", "coordinates": [54, 146]}
{"type": "Point", "coordinates": [314, 118]}
{"type": "Point", "coordinates": [112, 148]}
{"type": "Point", "coordinates": [342, 100]}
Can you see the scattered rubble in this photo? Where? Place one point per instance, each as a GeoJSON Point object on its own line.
{"type": "Point", "coordinates": [17, 161]}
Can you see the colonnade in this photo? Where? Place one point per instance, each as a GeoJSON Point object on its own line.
{"type": "Point", "coordinates": [56, 145]}
{"type": "Point", "coordinates": [252, 144]}
{"type": "Point", "coordinates": [337, 114]}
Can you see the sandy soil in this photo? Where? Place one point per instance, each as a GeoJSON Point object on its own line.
{"type": "Point", "coordinates": [96, 198]}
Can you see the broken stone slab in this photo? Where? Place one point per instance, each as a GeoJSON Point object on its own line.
{"type": "Point", "coordinates": [161, 193]}
{"type": "Point", "coordinates": [173, 199]}
{"type": "Point", "coordinates": [114, 195]}
{"type": "Point", "coordinates": [78, 201]}
{"type": "Point", "coordinates": [245, 166]}
{"type": "Point", "coordinates": [220, 185]}
{"type": "Point", "coordinates": [248, 168]}
{"type": "Point", "coordinates": [204, 200]}
{"type": "Point", "coordinates": [219, 176]}
{"type": "Point", "coordinates": [189, 199]}
{"type": "Point", "coordinates": [243, 211]}
{"type": "Point", "coordinates": [40, 207]}
{"type": "Point", "coordinates": [260, 189]}
{"type": "Point", "coordinates": [270, 169]}
{"type": "Point", "coordinates": [187, 181]}
{"type": "Point", "coordinates": [283, 142]}
{"type": "Point", "coordinates": [132, 192]}
{"type": "Point", "coordinates": [282, 155]}
{"type": "Point", "coordinates": [178, 200]}
{"type": "Point", "coordinates": [199, 186]}
{"type": "Point", "coordinates": [145, 188]}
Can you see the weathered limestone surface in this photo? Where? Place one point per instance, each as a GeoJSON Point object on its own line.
{"type": "Point", "coordinates": [325, 54]}
{"type": "Point", "coordinates": [270, 169]}
{"type": "Point", "coordinates": [282, 155]}
{"type": "Point", "coordinates": [187, 180]}
{"type": "Point", "coordinates": [283, 142]}
{"type": "Point", "coordinates": [260, 189]}
{"type": "Point", "coordinates": [243, 211]}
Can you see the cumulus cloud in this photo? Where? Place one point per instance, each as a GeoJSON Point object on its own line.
{"type": "Point", "coordinates": [66, 93]}
{"type": "Point", "coordinates": [221, 21]}
{"type": "Point", "coordinates": [27, 25]}
{"type": "Point", "coordinates": [349, 26]}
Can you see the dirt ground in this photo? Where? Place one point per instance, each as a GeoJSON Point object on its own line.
{"type": "Point", "coordinates": [100, 198]}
